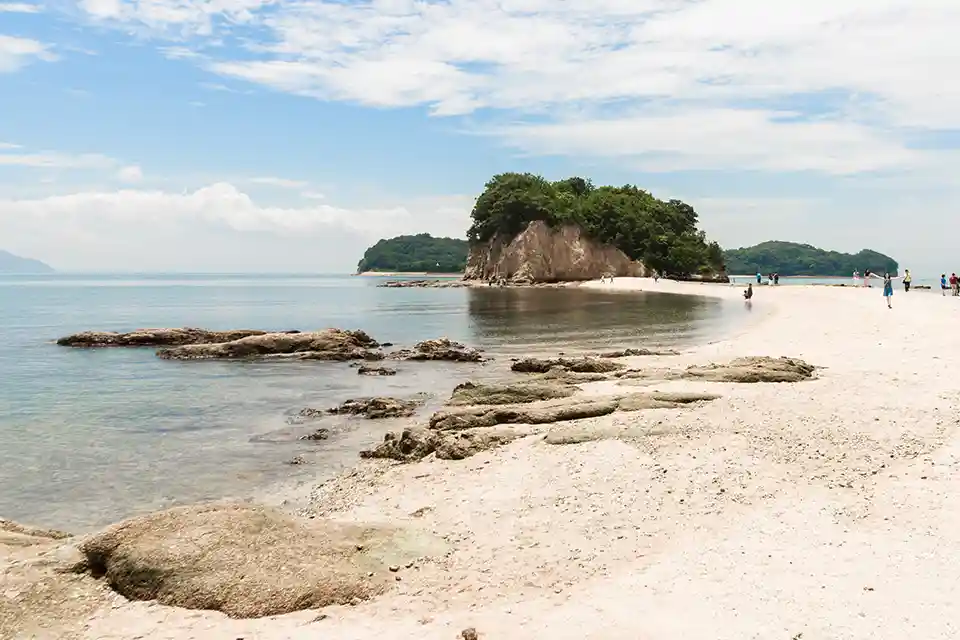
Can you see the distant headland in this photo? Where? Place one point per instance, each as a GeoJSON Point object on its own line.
{"type": "Point", "coordinates": [10, 263]}
{"type": "Point", "coordinates": [793, 259]}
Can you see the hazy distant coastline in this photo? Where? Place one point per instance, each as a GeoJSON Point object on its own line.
{"type": "Point", "coordinates": [10, 263]}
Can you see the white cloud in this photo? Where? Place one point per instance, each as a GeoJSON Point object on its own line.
{"type": "Point", "coordinates": [312, 195]}
{"type": "Point", "coordinates": [858, 70]}
{"type": "Point", "coordinates": [282, 183]}
{"type": "Point", "coordinates": [9, 145]}
{"type": "Point", "coordinates": [131, 173]}
{"type": "Point", "coordinates": [19, 7]}
{"type": "Point", "coordinates": [15, 53]}
{"type": "Point", "coordinates": [215, 228]}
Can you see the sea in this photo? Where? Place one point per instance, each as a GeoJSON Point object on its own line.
{"type": "Point", "coordinates": [90, 436]}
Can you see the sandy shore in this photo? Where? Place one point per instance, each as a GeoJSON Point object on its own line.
{"type": "Point", "coordinates": [820, 510]}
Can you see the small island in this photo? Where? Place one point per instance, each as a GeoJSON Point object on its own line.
{"type": "Point", "coordinates": [421, 253]}
{"type": "Point", "coordinates": [527, 229]}
{"type": "Point", "coordinates": [10, 263]}
{"type": "Point", "coordinates": [794, 259]}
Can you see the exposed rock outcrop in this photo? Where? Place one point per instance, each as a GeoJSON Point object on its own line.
{"type": "Point", "coordinates": [154, 337]}
{"type": "Point", "coordinates": [470, 393]}
{"type": "Point", "coordinates": [371, 408]}
{"type": "Point", "coordinates": [754, 369]}
{"type": "Point", "coordinates": [542, 254]}
{"type": "Point", "coordinates": [250, 561]}
{"type": "Point", "coordinates": [576, 365]}
{"type": "Point", "coordinates": [626, 353]}
{"type": "Point", "coordinates": [454, 434]}
{"type": "Point", "coordinates": [439, 349]}
{"type": "Point", "coordinates": [328, 344]}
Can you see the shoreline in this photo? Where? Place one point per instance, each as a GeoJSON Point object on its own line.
{"type": "Point", "coordinates": [778, 509]}
{"type": "Point", "coordinates": [404, 274]}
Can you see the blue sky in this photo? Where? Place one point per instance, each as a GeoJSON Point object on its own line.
{"type": "Point", "coordinates": [249, 135]}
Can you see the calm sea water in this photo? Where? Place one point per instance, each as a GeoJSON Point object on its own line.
{"type": "Point", "coordinates": [91, 436]}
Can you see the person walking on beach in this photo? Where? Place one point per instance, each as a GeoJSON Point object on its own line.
{"type": "Point", "coordinates": [856, 278]}
{"type": "Point", "coordinates": [953, 284]}
{"type": "Point", "coordinates": [866, 277]}
{"type": "Point", "coordinates": [748, 295]}
{"type": "Point", "coordinates": [776, 278]}
{"type": "Point", "coordinates": [759, 278]}
{"type": "Point", "coordinates": [907, 279]}
{"type": "Point", "coordinates": [943, 284]}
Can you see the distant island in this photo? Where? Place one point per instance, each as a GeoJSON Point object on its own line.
{"type": "Point", "coordinates": [793, 259]}
{"type": "Point", "coordinates": [10, 263]}
{"type": "Point", "coordinates": [421, 253]}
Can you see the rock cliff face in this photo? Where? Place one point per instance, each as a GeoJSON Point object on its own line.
{"type": "Point", "coordinates": [542, 254]}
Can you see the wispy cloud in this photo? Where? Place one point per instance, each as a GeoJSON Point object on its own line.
{"type": "Point", "coordinates": [15, 53]}
{"type": "Point", "coordinates": [131, 173]}
{"type": "Point", "coordinates": [19, 7]}
{"type": "Point", "coordinates": [56, 160]}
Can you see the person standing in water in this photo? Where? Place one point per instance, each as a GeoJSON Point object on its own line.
{"type": "Point", "coordinates": [759, 278]}
{"type": "Point", "coordinates": [907, 279]}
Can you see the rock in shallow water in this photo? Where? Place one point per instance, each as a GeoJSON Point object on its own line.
{"type": "Point", "coordinates": [576, 365]}
{"type": "Point", "coordinates": [374, 408]}
{"type": "Point", "coordinates": [154, 337]}
{"type": "Point", "coordinates": [328, 344]}
{"type": "Point", "coordinates": [367, 370]}
{"type": "Point", "coordinates": [439, 349]}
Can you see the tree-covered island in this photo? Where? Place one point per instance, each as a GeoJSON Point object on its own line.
{"type": "Point", "coordinates": [663, 235]}
{"type": "Point", "coordinates": [793, 259]}
{"type": "Point", "coordinates": [421, 253]}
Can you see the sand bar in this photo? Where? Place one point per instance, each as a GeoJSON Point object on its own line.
{"type": "Point", "coordinates": [818, 510]}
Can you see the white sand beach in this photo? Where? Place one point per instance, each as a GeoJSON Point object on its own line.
{"type": "Point", "coordinates": [826, 509]}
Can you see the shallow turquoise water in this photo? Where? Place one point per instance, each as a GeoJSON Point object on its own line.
{"type": "Point", "coordinates": [90, 436]}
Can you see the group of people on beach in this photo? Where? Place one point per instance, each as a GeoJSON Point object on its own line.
{"type": "Point", "coordinates": [772, 278]}
{"type": "Point", "coordinates": [953, 282]}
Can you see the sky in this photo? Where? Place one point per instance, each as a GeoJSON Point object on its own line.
{"type": "Point", "coordinates": [287, 136]}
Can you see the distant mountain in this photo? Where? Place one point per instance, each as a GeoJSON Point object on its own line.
{"type": "Point", "coordinates": [793, 259]}
{"type": "Point", "coordinates": [10, 263]}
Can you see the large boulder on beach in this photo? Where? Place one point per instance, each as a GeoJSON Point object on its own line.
{"type": "Point", "coordinates": [154, 337]}
{"type": "Point", "coordinates": [471, 393]}
{"type": "Point", "coordinates": [544, 413]}
{"type": "Point", "coordinates": [409, 445]}
{"type": "Point", "coordinates": [439, 349]}
{"type": "Point", "coordinates": [250, 561]}
{"type": "Point", "coordinates": [328, 344]}
{"type": "Point", "coordinates": [754, 369]}
{"type": "Point", "coordinates": [576, 365]}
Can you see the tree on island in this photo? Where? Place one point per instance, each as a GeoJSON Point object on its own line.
{"type": "Point", "coordinates": [662, 235]}
{"type": "Point", "coordinates": [421, 253]}
{"type": "Point", "coordinates": [793, 259]}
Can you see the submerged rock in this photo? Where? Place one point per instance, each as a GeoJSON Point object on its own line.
{"type": "Point", "coordinates": [368, 370]}
{"type": "Point", "coordinates": [320, 434]}
{"type": "Point", "coordinates": [328, 344]}
{"type": "Point", "coordinates": [754, 369]}
{"type": "Point", "coordinates": [249, 561]}
{"type": "Point", "coordinates": [576, 365]}
{"type": "Point", "coordinates": [439, 349]}
{"type": "Point", "coordinates": [470, 393]}
{"type": "Point", "coordinates": [154, 337]}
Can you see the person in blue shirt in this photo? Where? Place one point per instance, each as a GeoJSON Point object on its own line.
{"type": "Point", "coordinates": [943, 284]}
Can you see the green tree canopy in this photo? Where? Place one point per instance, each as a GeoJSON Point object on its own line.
{"type": "Point", "coordinates": [419, 253]}
{"type": "Point", "coordinates": [792, 259]}
{"type": "Point", "coordinates": [663, 235]}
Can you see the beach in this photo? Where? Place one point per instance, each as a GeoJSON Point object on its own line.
{"type": "Point", "coordinates": [822, 509]}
